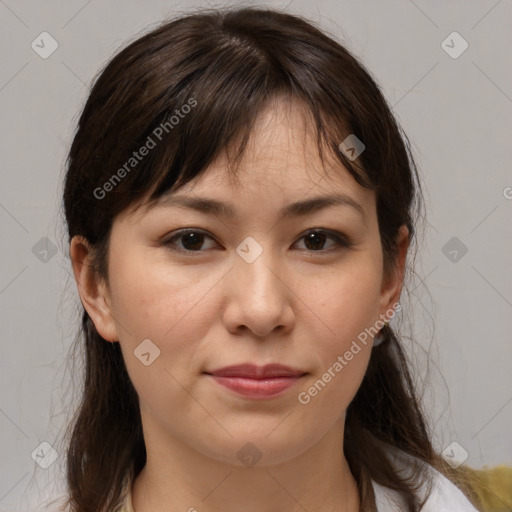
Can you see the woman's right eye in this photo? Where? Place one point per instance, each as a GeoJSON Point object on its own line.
{"type": "Point", "coordinates": [190, 240]}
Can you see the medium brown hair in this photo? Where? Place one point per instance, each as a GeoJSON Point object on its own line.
{"type": "Point", "coordinates": [231, 63]}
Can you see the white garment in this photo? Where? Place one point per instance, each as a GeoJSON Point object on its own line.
{"type": "Point", "coordinates": [444, 495]}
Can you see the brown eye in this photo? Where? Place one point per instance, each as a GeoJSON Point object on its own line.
{"type": "Point", "coordinates": [191, 241]}
{"type": "Point", "coordinates": [315, 240]}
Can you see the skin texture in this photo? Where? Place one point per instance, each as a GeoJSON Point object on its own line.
{"type": "Point", "coordinates": [295, 304]}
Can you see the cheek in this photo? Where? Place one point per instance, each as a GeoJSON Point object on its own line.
{"type": "Point", "coordinates": [152, 299]}
{"type": "Point", "coordinates": [174, 320]}
{"type": "Point", "coordinates": [170, 307]}
{"type": "Point", "coordinates": [348, 307]}
{"type": "Point", "coordinates": [350, 302]}
{"type": "Point", "coordinates": [145, 307]}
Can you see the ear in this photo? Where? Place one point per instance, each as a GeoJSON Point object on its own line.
{"type": "Point", "coordinates": [92, 289]}
{"type": "Point", "coordinates": [392, 281]}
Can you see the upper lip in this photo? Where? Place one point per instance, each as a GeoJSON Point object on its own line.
{"type": "Point", "coordinates": [251, 371]}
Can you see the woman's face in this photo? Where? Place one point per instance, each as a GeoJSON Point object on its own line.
{"type": "Point", "coordinates": [252, 289]}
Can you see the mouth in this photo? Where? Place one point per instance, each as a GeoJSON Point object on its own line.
{"type": "Point", "coordinates": [257, 382]}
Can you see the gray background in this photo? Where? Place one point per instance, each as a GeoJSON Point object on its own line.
{"type": "Point", "coordinates": [457, 113]}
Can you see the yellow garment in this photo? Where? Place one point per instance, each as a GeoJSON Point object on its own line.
{"type": "Point", "coordinates": [491, 488]}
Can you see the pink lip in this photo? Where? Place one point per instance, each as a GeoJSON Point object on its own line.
{"type": "Point", "coordinates": [257, 381]}
{"type": "Point", "coordinates": [257, 388]}
{"type": "Point", "coordinates": [251, 371]}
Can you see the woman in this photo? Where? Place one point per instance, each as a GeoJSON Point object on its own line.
{"type": "Point", "coordinates": [240, 205]}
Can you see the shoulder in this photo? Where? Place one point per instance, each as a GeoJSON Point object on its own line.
{"type": "Point", "coordinates": [444, 495]}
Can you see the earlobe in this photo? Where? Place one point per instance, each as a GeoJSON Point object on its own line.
{"type": "Point", "coordinates": [392, 283]}
{"type": "Point", "coordinates": [92, 289]}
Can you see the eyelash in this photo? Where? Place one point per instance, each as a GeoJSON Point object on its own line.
{"type": "Point", "coordinates": [340, 240]}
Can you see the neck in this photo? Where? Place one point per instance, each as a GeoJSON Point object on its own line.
{"type": "Point", "coordinates": [178, 478]}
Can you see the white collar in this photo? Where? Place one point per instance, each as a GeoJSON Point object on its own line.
{"type": "Point", "coordinates": [444, 496]}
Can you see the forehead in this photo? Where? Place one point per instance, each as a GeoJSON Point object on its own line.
{"type": "Point", "coordinates": [282, 152]}
{"type": "Point", "coordinates": [280, 165]}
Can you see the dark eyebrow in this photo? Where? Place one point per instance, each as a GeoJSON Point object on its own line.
{"type": "Point", "coordinates": [296, 209]}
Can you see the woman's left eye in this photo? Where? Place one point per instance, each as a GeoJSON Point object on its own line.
{"type": "Point", "coordinates": [314, 239]}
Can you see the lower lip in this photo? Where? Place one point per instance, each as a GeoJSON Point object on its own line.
{"type": "Point", "coordinates": [257, 388]}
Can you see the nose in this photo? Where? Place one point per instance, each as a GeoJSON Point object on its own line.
{"type": "Point", "coordinates": [258, 298]}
